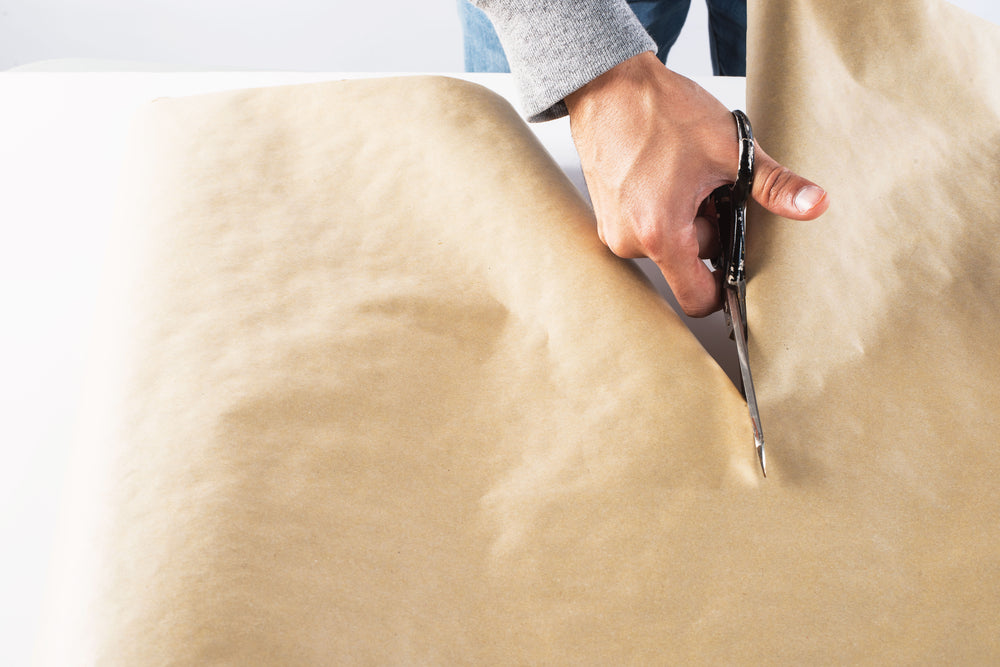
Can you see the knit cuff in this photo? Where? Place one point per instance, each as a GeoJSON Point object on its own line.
{"type": "Point", "coordinates": [556, 46]}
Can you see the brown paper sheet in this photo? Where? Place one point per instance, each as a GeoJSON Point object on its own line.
{"type": "Point", "coordinates": [372, 391]}
{"type": "Point", "coordinates": [874, 328]}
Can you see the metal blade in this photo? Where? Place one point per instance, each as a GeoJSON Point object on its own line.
{"type": "Point", "coordinates": [733, 298]}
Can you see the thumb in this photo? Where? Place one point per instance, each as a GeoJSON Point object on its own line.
{"type": "Point", "coordinates": [782, 191]}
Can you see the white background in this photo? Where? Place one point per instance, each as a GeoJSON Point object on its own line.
{"type": "Point", "coordinates": [306, 35]}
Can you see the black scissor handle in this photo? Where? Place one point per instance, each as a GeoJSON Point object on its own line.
{"type": "Point", "coordinates": [731, 205]}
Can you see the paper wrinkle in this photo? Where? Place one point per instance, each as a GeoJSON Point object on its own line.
{"type": "Point", "coordinates": [870, 325]}
{"type": "Point", "coordinates": [371, 389]}
{"type": "Point", "coordinates": [354, 368]}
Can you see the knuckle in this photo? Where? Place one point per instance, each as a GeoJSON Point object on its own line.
{"type": "Point", "coordinates": [617, 247]}
{"type": "Point", "coordinates": [694, 307]}
{"type": "Point", "coordinates": [694, 297]}
{"type": "Point", "coordinates": [649, 238]}
{"type": "Point", "coordinates": [774, 189]}
{"type": "Point", "coordinates": [613, 241]}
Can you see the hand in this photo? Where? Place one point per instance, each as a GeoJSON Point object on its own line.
{"type": "Point", "coordinates": [653, 146]}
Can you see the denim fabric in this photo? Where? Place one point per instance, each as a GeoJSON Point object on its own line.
{"type": "Point", "coordinates": [483, 52]}
{"type": "Point", "coordinates": [727, 36]}
{"type": "Point", "coordinates": [663, 20]}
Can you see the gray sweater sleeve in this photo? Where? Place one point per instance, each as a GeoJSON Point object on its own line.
{"type": "Point", "coordinates": [554, 47]}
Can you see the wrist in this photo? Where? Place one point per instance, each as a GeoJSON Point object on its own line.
{"type": "Point", "coordinates": [625, 79]}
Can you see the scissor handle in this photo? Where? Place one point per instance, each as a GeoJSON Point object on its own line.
{"type": "Point", "coordinates": [731, 205]}
{"type": "Point", "coordinates": [744, 174]}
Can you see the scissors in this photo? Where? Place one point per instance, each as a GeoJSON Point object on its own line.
{"type": "Point", "coordinates": [731, 209]}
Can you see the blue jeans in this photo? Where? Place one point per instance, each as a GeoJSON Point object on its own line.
{"type": "Point", "coordinates": [483, 52]}
{"type": "Point", "coordinates": [663, 20]}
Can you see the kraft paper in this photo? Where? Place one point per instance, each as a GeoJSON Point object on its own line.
{"type": "Point", "coordinates": [873, 328]}
{"type": "Point", "coordinates": [373, 391]}
{"type": "Point", "coordinates": [370, 390]}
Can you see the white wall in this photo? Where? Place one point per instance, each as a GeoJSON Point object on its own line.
{"type": "Point", "coordinates": [314, 35]}
{"type": "Point", "coordinates": [311, 35]}
{"type": "Point", "coordinates": [308, 35]}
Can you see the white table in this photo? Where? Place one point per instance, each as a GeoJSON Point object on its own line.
{"type": "Point", "coordinates": [62, 137]}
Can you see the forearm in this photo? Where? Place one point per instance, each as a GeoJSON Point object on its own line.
{"type": "Point", "coordinates": [554, 47]}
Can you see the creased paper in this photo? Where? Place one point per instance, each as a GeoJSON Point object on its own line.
{"type": "Point", "coordinates": [370, 390]}
{"type": "Point", "coordinates": [374, 391]}
{"type": "Point", "coordinates": [874, 328]}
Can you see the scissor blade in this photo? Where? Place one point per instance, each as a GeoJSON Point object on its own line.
{"type": "Point", "coordinates": [742, 351]}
